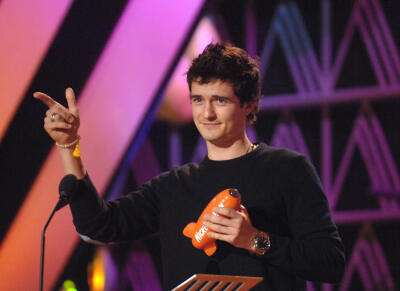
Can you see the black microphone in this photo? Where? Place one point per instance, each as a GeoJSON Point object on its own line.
{"type": "Point", "coordinates": [67, 188]}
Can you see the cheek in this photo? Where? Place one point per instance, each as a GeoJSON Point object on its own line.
{"type": "Point", "coordinates": [195, 111]}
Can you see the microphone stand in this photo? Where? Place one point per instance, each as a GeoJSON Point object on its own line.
{"type": "Point", "coordinates": [43, 243]}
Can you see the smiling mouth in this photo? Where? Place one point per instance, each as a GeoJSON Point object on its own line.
{"type": "Point", "coordinates": [210, 124]}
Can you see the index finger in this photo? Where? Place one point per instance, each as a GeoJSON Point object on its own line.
{"type": "Point", "coordinates": [243, 210]}
{"type": "Point", "coordinates": [229, 212]}
{"type": "Point", "coordinates": [46, 99]}
{"type": "Point", "coordinates": [71, 100]}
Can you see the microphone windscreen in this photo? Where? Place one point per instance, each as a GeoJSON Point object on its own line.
{"type": "Point", "coordinates": [68, 185]}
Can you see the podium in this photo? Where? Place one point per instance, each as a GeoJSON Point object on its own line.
{"type": "Point", "coordinates": [208, 282]}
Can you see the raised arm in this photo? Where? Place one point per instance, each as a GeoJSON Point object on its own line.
{"type": "Point", "coordinates": [62, 125]}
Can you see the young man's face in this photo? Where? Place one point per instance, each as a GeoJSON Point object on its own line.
{"type": "Point", "coordinates": [217, 112]}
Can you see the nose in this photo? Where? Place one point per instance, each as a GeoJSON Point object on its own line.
{"type": "Point", "coordinates": [208, 111]}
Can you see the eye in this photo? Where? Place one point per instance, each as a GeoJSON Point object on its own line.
{"type": "Point", "coordinates": [221, 101]}
{"type": "Point", "coordinates": [196, 100]}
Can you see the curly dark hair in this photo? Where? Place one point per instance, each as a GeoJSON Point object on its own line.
{"type": "Point", "coordinates": [229, 64]}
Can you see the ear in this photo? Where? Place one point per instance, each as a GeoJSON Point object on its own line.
{"type": "Point", "coordinates": [249, 107]}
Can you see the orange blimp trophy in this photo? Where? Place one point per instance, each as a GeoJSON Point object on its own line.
{"type": "Point", "coordinates": [229, 198]}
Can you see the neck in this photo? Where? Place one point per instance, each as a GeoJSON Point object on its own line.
{"type": "Point", "coordinates": [229, 151]}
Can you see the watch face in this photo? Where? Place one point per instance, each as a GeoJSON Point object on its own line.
{"type": "Point", "coordinates": [262, 243]}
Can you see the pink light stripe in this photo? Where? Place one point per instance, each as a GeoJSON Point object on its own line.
{"type": "Point", "coordinates": [130, 70]}
{"type": "Point", "coordinates": [27, 28]}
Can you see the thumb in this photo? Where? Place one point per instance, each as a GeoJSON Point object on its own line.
{"type": "Point", "coordinates": [71, 100]}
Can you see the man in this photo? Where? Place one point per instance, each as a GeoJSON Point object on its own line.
{"type": "Point", "coordinates": [288, 235]}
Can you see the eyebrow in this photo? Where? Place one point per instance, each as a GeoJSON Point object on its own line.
{"type": "Point", "coordinates": [213, 96]}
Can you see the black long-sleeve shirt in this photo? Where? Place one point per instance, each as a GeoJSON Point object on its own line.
{"type": "Point", "coordinates": [281, 192]}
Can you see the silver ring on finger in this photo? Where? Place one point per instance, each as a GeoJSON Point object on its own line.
{"type": "Point", "coordinates": [53, 117]}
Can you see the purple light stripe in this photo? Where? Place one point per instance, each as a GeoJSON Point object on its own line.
{"type": "Point", "coordinates": [366, 154]}
{"type": "Point", "coordinates": [296, 42]}
{"type": "Point", "coordinates": [361, 216]}
{"type": "Point", "coordinates": [375, 155]}
{"type": "Point", "coordinates": [326, 152]}
{"type": "Point", "coordinates": [326, 45]}
{"type": "Point", "coordinates": [340, 96]}
{"type": "Point", "coordinates": [394, 204]}
{"type": "Point", "coordinates": [375, 61]}
{"type": "Point", "coordinates": [327, 287]}
{"type": "Point", "coordinates": [372, 260]}
{"type": "Point", "coordinates": [369, 260]}
{"type": "Point", "coordinates": [145, 165]}
{"type": "Point", "coordinates": [382, 264]}
{"type": "Point", "coordinates": [344, 165]}
{"type": "Point", "coordinates": [252, 133]}
{"type": "Point", "coordinates": [141, 272]}
{"type": "Point", "coordinates": [351, 266]}
{"type": "Point", "coordinates": [362, 268]}
{"type": "Point", "coordinates": [111, 269]}
{"type": "Point", "coordinates": [390, 204]}
{"type": "Point", "coordinates": [378, 36]}
{"type": "Point", "coordinates": [267, 49]}
{"type": "Point", "coordinates": [175, 149]}
{"type": "Point", "coordinates": [387, 35]}
{"type": "Point", "coordinates": [377, 128]}
{"type": "Point", "coordinates": [385, 206]}
{"type": "Point", "coordinates": [276, 140]}
{"type": "Point", "coordinates": [286, 136]}
{"type": "Point", "coordinates": [299, 140]}
{"type": "Point", "coordinates": [344, 46]}
{"type": "Point", "coordinates": [200, 150]}
{"type": "Point", "coordinates": [310, 286]}
{"type": "Point", "coordinates": [305, 39]}
{"type": "Point", "coordinates": [251, 28]}
{"type": "Point", "coordinates": [281, 138]}
{"type": "Point", "coordinates": [118, 186]}
{"type": "Point", "coordinates": [365, 276]}
{"type": "Point", "coordinates": [290, 55]}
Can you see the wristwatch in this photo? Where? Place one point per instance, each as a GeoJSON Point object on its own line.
{"type": "Point", "coordinates": [260, 243]}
